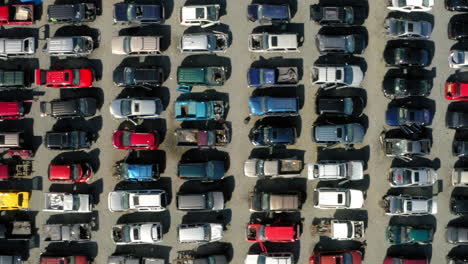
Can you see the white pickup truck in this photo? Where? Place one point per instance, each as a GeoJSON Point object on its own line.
{"type": "Point", "coordinates": [332, 170]}
{"type": "Point", "coordinates": [17, 47]}
{"type": "Point", "coordinates": [265, 42]}
{"type": "Point", "coordinates": [67, 203]}
{"type": "Point", "coordinates": [339, 229]}
{"type": "Point", "coordinates": [137, 233]}
{"type": "Point", "coordinates": [272, 168]}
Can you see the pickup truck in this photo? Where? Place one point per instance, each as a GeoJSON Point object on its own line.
{"type": "Point", "coordinates": [213, 259]}
{"type": "Point", "coordinates": [66, 232]}
{"type": "Point", "coordinates": [268, 13]}
{"type": "Point", "coordinates": [202, 171]}
{"type": "Point", "coordinates": [17, 47]}
{"type": "Point", "coordinates": [65, 260]}
{"type": "Point", "coordinates": [339, 229]}
{"type": "Point", "coordinates": [67, 203]}
{"type": "Point", "coordinates": [137, 233]}
{"type": "Point", "coordinates": [272, 77]}
{"type": "Point", "coordinates": [275, 202]}
{"type": "Point", "coordinates": [273, 106]}
{"type": "Point", "coordinates": [405, 234]}
{"type": "Point", "coordinates": [214, 42]}
{"type": "Point", "coordinates": [16, 15]}
{"type": "Point", "coordinates": [133, 13]}
{"type": "Point", "coordinates": [16, 230]}
{"type": "Point", "coordinates": [272, 168]}
{"type": "Point", "coordinates": [277, 232]}
{"type": "Point", "coordinates": [202, 138]}
{"type": "Point", "coordinates": [128, 259]}
{"type": "Point", "coordinates": [191, 110]}
{"type": "Point", "coordinates": [202, 76]}
{"type": "Point", "coordinates": [336, 170]}
{"type": "Point", "coordinates": [265, 42]}
{"type": "Point", "coordinates": [12, 80]}
{"type": "Point", "coordinates": [72, 13]}
{"type": "Point", "coordinates": [405, 205]}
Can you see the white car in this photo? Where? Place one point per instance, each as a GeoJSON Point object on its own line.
{"type": "Point", "coordinates": [412, 177]}
{"type": "Point", "coordinates": [279, 258]}
{"type": "Point", "coordinates": [338, 198]}
{"type": "Point", "coordinates": [199, 15]}
{"type": "Point", "coordinates": [343, 76]}
{"type": "Point", "coordinates": [144, 108]}
{"type": "Point", "coordinates": [458, 59]}
{"type": "Point", "coordinates": [405, 205]}
{"type": "Point", "coordinates": [410, 5]}
{"type": "Point", "coordinates": [199, 233]}
{"type": "Point", "coordinates": [138, 233]}
{"type": "Point", "coordinates": [402, 28]}
{"type": "Point", "coordinates": [336, 170]}
{"type": "Point", "coordinates": [137, 200]}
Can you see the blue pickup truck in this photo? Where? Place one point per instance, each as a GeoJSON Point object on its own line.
{"type": "Point", "coordinates": [201, 171]}
{"type": "Point", "coordinates": [192, 110]}
{"type": "Point", "coordinates": [273, 106]}
{"type": "Point", "coordinates": [272, 77]}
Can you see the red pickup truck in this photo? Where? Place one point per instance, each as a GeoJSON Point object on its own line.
{"type": "Point", "coordinates": [280, 233]}
{"type": "Point", "coordinates": [65, 260]}
{"type": "Point", "coordinates": [75, 78]}
{"type": "Point", "coordinates": [16, 15]}
{"type": "Point", "coordinates": [11, 110]}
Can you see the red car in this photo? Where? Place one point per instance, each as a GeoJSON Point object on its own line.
{"type": "Point", "coordinates": [65, 260]}
{"type": "Point", "coordinates": [76, 78]}
{"type": "Point", "coordinates": [456, 91]}
{"type": "Point", "coordinates": [126, 139]}
{"type": "Point", "coordinates": [16, 15]}
{"type": "Point", "coordinates": [273, 233]}
{"type": "Point", "coordinates": [332, 257]}
{"type": "Point", "coordinates": [11, 110]}
{"type": "Point", "coordinates": [70, 173]}
{"type": "Point", "coordinates": [389, 260]}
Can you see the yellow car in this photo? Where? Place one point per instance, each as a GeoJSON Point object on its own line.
{"type": "Point", "coordinates": [14, 200]}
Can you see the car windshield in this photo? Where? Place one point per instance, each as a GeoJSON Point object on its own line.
{"type": "Point", "coordinates": [259, 166]}
{"type": "Point", "coordinates": [348, 75]}
{"type": "Point", "coordinates": [400, 86]}
{"type": "Point", "coordinates": [349, 133]}
{"type": "Point", "coordinates": [126, 233]}
{"type": "Point", "coordinates": [74, 172]}
{"type": "Point", "coordinates": [400, 27]}
{"type": "Point", "coordinates": [402, 115]}
{"type": "Point", "coordinates": [348, 16]}
{"type": "Point", "coordinates": [265, 201]}
{"type": "Point", "coordinates": [347, 258]}
{"type": "Point", "coordinates": [409, 205]}
{"type": "Point", "coordinates": [350, 228]}
{"type": "Point", "coordinates": [78, 43]}
{"type": "Point", "coordinates": [126, 45]}
{"type": "Point", "coordinates": [209, 201]}
{"type": "Point", "coordinates": [126, 138]}
{"type": "Point", "coordinates": [460, 57]}
{"type": "Point", "coordinates": [83, 104]}
{"type": "Point", "coordinates": [76, 77]}
{"type": "Point", "coordinates": [211, 42]}
{"type": "Point", "coordinates": [400, 55]}
{"type": "Point", "coordinates": [126, 107]}
{"type": "Point", "coordinates": [129, 75]}
{"type": "Point", "coordinates": [402, 3]}
{"type": "Point", "coordinates": [76, 202]}
{"type": "Point", "coordinates": [207, 230]}
{"type": "Point", "coordinates": [349, 44]}
{"type": "Point", "coordinates": [212, 13]}
{"type": "Point", "coordinates": [125, 201]}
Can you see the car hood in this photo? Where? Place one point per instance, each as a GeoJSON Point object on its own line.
{"type": "Point", "coordinates": [216, 232]}
{"type": "Point", "coordinates": [115, 201]}
{"type": "Point", "coordinates": [250, 168]}
{"type": "Point", "coordinates": [356, 199]}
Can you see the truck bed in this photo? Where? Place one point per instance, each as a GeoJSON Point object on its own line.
{"type": "Point", "coordinates": [290, 166]}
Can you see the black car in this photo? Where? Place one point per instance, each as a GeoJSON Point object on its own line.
{"type": "Point", "coordinates": [72, 140]}
{"type": "Point", "coordinates": [332, 15]}
{"type": "Point", "coordinates": [459, 205]}
{"type": "Point", "coordinates": [395, 88]}
{"type": "Point", "coordinates": [131, 77]}
{"type": "Point", "coordinates": [457, 260]}
{"type": "Point", "coordinates": [268, 13]}
{"type": "Point", "coordinates": [458, 27]}
{"type": "Point", "coordinates": [332, 43]}
{"type": "Point", "coordinates": [265, 135]}
{"type": "Point", "coordinates": [71, 108]}
{"type": "Point", "coordinates": [72, 14]}
{"type": "Point", "coordinates": [407, 56]}
{"type": "Point", "coordinates": [347, 106]}
{"type": "Point", "coordinates": [456, 119]}
{"type": "Point", "coordinates": [133, 13]}
{"type": "Point", "coordinates": [456, 5]}
{"type": "Point", "coordinates": [460, 148]}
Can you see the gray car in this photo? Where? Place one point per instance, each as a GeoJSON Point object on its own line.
{"type": "Point", "coordinates": [456, 235]}
{"type": "Point", "coordinates": [144, 108]}
{"type": "Point", "coordinates": [401, 28]}
{"type": "Point", "coordinates": [339, 134]}
{"type": "Point", "coordinates": [405, 148]}
{"type": "Point", "coordinates": [210, 201]}
{"type": "Point", "coordinates": [352, 43]}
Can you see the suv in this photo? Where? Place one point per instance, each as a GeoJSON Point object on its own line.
{"type": "Point", "coordinates": [456, 119]}
{"type": "Point", "coordinates": [133, 13]}
{"type": "Point", "coordinates": [73, 14]}
{"type": "Point", "coordinates": [210, 201]}
{"type": "Point", "coordinates": [266, 42]}
{"type": "Point", "coordinates": [344, 75]}
{"type": "Point", "coordinates": [275, 202]}
{"type": "Point", "coordinates": [199, 15]}
{"type": "Point", "coordinates": [339, 134]}
{"type": "Point", "coordinates": [352, 43]}
{"type": "Point", "coordinates": [137, 200]}
{"type": "Point", "coordinates": [72, 140]}
{"type": "Point", "coordinates": [405, 205]}
{"type": "Point", "coordinates": [339, 106]}
{"type": "Point", "coordinates": [76, 46]}
{"type": "Point", "coordinates": [204, 42]}
{"type": "Point", "coordinates": [199, 233]}
{"type": "Point", "coordinates": [134, 77]}
{"type": "Point", "coordinates": [17, 47]}
{"type": "Point", "coordinates": [69, 78]}
{"type": "Point", "coordinates": [459, 205]}
{"type": "Point", "coordinates": [136, 45]}
{"type": "Point", "coordinates": [457, 27]}
{"type": "Point", "coordinates": [71, 108]}
{"type": "Point", "coordinates": [407, 57]}
{"type": "Point", "coordinates": [264, 135]}
{"type": "Point", "coordinates": [268, 13]}
{"type": "Point", "coordinates": [405, 148]}
{"type": "Point", "coordinates": [273, 106]}
{"type": "Point", "coordinates": [338, 198]}
{"type": "Point", "coordinates": [283, 258]}
{"type": "Point", "coordinates": [332, 15]}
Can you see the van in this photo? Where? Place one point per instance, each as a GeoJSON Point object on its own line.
{"type": "Point", "coordinates": [210, 201]}
{"type": "Point", "coordinates": [199, 233]}
{"type": "Point", "coordinates": [10, 139]}
{"type": "Point", "coordinates": [76, 46]}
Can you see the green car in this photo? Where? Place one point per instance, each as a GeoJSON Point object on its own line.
{"type": "Point", "coordinates": [401, 234]}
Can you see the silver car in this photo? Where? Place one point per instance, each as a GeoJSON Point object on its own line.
{"type": "Point", "coordinates": [401, 28]}
{"type": "Point", "coordinates": [456, 235]}
{"type": "Point", "coordinates": [144, 108]}
{"type": "Point", "coordinates": [412, 177]}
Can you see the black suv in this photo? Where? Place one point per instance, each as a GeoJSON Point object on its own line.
{"type": "Point", "coordinates": [132, 13]}
{"type": "Point", "coordinates": [456, 5]}
{"type": "Point", "coordinates": [459, 205]}
{"type": "Point", "coordinates": [455, 119]}
{"type": "Point", "coordinates": [395, 88]}
{"type": "Point", "coordinates": [131, 77]}
{"type": "Point", "coordinates": [460, 148]}
{"type": "Point", "coordinates": [72, 140]}
{"type": "Point", "coordinates": [407, 56]}
{"type": "Point", "coordinates": [72, 14]}
{"type": "Point", "coordinates": [347, 106]}
{"type": "Point", "coordinates": [80, 107]}
{"type": "Point", "coordinates": [332, 15]}
{"type": "Point", "coordinates": [458, 27]}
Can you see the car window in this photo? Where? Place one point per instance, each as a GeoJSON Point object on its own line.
{"type": "Point", "coordinates": [274, 41]}
{"type": "Point", "coordinates": [200, 13]}
{"type": "Point", "coordinates": [340, 198]}
{"type": "Point", "coordinates": [339, 132]}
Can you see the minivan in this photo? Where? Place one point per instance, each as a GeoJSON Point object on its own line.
{"type": "Point", "coordinates": [210, 201]}
{"type": "Point", "coordinates": [76, 46]}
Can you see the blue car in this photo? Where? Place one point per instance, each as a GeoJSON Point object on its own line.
{"type": "Point", "coordinates": [397, 116]}
{"type": "Point", "coordinates": [268, 13]}
{"type": "Point", "coordinates": [273, 106]}
{"type": "Point", "coordinates": [202, 171]}
{"type": "Point", "coordinates": [137, 172]}
{"type": "Point", "coordinates": [272, 136]}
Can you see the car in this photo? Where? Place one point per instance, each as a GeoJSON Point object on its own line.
{"type": "Point", "coordinates": [130, 259]}
{"type": "Point", "coordinates": [456, 119]}
{"type": "Point", "coordinates": [266, 135]}
{"type": "Point", "coordinates": [16, 14]}
{"type": "Point", "coordinates": [407, 57]}
{"type": "Point", "coordinates": [402, 28]}
{"type": "Point", "coordinates": [14, 200]}
{"type": "Point", "coordinates": [458, 59]}
{"type": "Point", "coordinates": [338, 198]}
{"type": "Point", "coordinates": [456, 5]}
{"type": "Point", "coordinates": [213, 42]}
{"type": "Point", "coordinates": [399, 260]}
{"type": "Point", "coordinates": [69, 108]}
{"type": "Point", "coordinates": [335, 170]}
{"type": "Point", "coordinates": [137, 233]}
{"type": "Point", "coordinates": [275, 202]}
{"type": "Point", "coordinates": [405, 205]}
{"type": "Point", "coordinates": [11, 259]}
{"type": "Point", "coordinates": [11, 110]}
{"type": "Point", "coordinates": [456, 235]}
{"type": "Point", "coordinates": [74, 46]}
{"type": "Point", "coordinates": [137, 200]}
{"type": "Point", "coordinates": [134, 13]}
{"type": "Point", "coordinates": [138, 77]}
{"type": "Point", "coordinates": [142, 108]}
{"type": "Point", "coordinates": [457, 260]}
{"type": "Point", "coordinates": [128, 139]}
{"type": "Point", "coordinates": [17, 47]}
{"type": "Point", "coordinates": [72, 13]}
{"type": "Point", "coordinates": [406, 86]}
{"type": "Point", "coordinates": [136, 45]}
{"type": "Point", "coordinates": [70, 173]}
{"type": "Point", "coordinates": [200, 15]}
{"type": "Point", "coordinates": [212, 170]}
{"type": "Point", "coordinates": [204, 259]}
{"type": "Point", "coordinates": [267, 42]}
{"type": "Point", "coordinates": [411, 177]}
{"type": "Point", "coordinates": [209, 201]}
{"type": "Point", "coordinates": [351, 43]}
{"type": "Point", "coordinates": [276, 257]}
{"type": "Point", "coordinates": [70, 140]}
{"type": "Point", "coordinates": [346, 134]}
{"type": "Point", "coordinates": [398, 116]}
{"type": "Point", "coordinates": [342, 256]}
{"type": "Point", "coordinates": [460, 148]}
{"type": "Point", "coordinates": [332, 15]}
{"type": "Point", "coordinates": [410, 5]}
{"type": "Point", "coordinates": [459, 205]}
{"type": "Point", "coordinates": [280, 231]}
{"type": "Point", "coordinates": [273, 106]}
{"type": "Point", "coordinates": [407, 234]}
{"type": "Point", "coordinates": [342, 75]}
{"type": "Point", "coordinates": [199, 233]}
{"type": "Point", "coordinates": [268, 13]}
{"type": "Point", "coordinates": [405, 148]}
{"type": "Point", "coordinates": [339, 106]}
{"type": "Point", "coordinates": [456, 90]}
{"type": "Point", "coordinates": [460, 177]}
{"type": "Point", "coordinates": [458, 27]}
{"type": "Point", "coordinates": [68, 78]}
{"type": "Point", "coordinates": [65, 260]}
